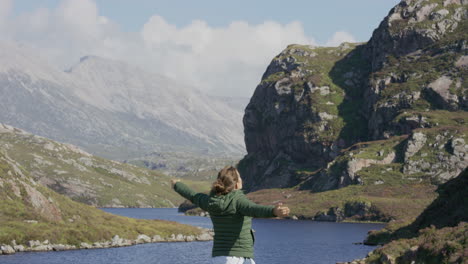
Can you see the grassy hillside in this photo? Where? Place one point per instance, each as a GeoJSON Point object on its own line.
{"type": "Point", "coordinates": [30, 211]}
{"type": "Point", "coordinates": [87, 178]}
{"type": "Point", "coordinates": [390, 180]}
{"type": "Point", "coordinates": [380, 180]}
{"type": "Point", "coordinates": [353, 203]}
{"type": "Point", "coordinates": [438, 235]}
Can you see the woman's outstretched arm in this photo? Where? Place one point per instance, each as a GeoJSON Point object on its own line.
{"type": "Point", "coordinates": [249, 208]}
{"type": "Point", "coordinates": [199, 199]}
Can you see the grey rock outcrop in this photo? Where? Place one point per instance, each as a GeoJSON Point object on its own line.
{"type": "Point", "coordinates": [143, 239]}
{"type": "Point", "coordinates": [442, 156]}
{"type": "Point", "coordinates": [304, 113]}
{"type": "Point", "coordinates": [19, 248]}
{"type": "Point", "coordinates": [413, 34]}
{"type": "Point", "coordinates": [334, 214]}
{"type": "Point", "coordinates": [157, 238]}
{"type": "Point", "coordinates": [414, 144]}
{"type": "Point", "coordinates": [355, 165]}
{"type": "Point", "coordinates": [7, 249]}
{"type": "Point", "coordinates": [400, 32]}
{"type": "Point", "coordinates": [116, 241]}
{"type": "Point", "coordinates": [204, 237]}
{"type": "Point", "coordinates": [441, 90]}
{"type": "Point", "coordinates": [293, 117]}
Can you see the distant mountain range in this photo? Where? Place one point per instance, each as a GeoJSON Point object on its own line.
{"type": "Point", "coordinates": [114, 109]}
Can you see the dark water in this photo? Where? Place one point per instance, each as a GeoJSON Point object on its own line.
{"type": "Point", "coordinates": [277, 241]}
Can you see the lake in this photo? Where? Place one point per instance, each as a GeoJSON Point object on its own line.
{"type": "Point", "coordinates": [276, 241]}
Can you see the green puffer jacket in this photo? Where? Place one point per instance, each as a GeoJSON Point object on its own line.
{"type": "Point", "coordinates": [231, 215]}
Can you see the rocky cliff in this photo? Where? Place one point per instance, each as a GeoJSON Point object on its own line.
{"type": "Point", "coordinates": [323, 117]}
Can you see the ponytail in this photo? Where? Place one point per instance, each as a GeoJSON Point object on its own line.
{"type": "Point", "coordinates": [226, 181]}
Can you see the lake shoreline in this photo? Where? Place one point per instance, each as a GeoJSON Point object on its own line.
{"type": "Point", "coordinates": [116, 241]}
{"type": "Point", "coordinates": [302, 218]}
{"type": "Point", "coordinates": [337, 242]}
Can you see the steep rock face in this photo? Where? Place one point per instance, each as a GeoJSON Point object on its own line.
{"type": "Point", "coordinates": [297, 113]}
{"type": "Point", "coordinates": [415, 52]}
{"type": "Point", "coordinates": [413, 25]}
{"type": "Point", "coordinates": [314, 102]}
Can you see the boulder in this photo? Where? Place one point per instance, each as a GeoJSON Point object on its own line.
{"type": "Point", "coordinates": [459, 147]}
{"type": "Point", "coordinates": [180, 238]}
{"type": "Point", "coordinates": [116, 241]}
{"type": "Point", "coordinates": [424, 12]}
{"type": "Point", "coordinates": [334, 214]}
{"type": "Point", "coordinates": [97, 245]}
{"type": "Point", "coordinates": [128, 242]}
{"type": "Point", "coordinates": [85, 245]}
{"type": "Point", "coordinates": [34, 243]}
{"type": "Point", "coordinates": [143, 239]}
{"type": "Point", "coordinates": [440, 89]}
{"type": "Point", "coordinates": [414, 144]}
{"type": "Point", "coordinates": [42, 248]}
{"type": "Point", "coordinates": [19, 248]}
{"type": "Point", "coordinates": [157, 238]}
{"type": "Point", "coordinates": [462, 62]}
{"type": "Point", "coordinates": [171, 238]}
{"type": "Point", "coordinates": [7, 249]}
{"type": "Point", "coordinates": [438, 15]}
{"type": "Point", "coordinates": [60, 247]}
{"type": "Point", "coordinates": [204, 237]}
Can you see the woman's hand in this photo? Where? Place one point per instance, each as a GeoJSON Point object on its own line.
{"type": "Point", "coordinates": [280, 210]}
{"type": "Point", "coordinates": [174, 181]}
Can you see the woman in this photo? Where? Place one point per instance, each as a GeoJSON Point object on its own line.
{"type": "Point", "coordinates": [231, 213]}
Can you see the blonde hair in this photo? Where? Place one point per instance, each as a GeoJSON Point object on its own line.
{"type": "Point", "coordinates": [227, 180]}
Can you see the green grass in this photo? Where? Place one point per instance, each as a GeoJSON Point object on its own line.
{"type": "Point", "coordinates": [436, 60]}
{"type": "Point", "coordinates": [438, 235]}
{"type": "Point", "coordinates": [90, 179]}
{"type": "Point", "coordinates": [325, 70]}
{"type": "Point", "coordinates": [373, 149]}
{"type": "Point", "coordinates": [436, 117]}
{"type": "Point", "coordinates": [387, 202]}
{"type": "Point", "coordinates": [431, 246]}
{"type": "Point", "coordinates": [61, 220]}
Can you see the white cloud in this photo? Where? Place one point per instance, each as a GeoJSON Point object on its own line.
{"type": "Point", "coordinates": [5, 10]}
{"type": "Point", "coordinates": [340, 37]}
{"type": "Point", "coordinates": [228, 60]}
{"type": "Point", "coordinates": [221, 60]}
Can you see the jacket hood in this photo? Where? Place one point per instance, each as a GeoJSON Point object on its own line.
{"type": "Point", "coordinates": [223, 204]}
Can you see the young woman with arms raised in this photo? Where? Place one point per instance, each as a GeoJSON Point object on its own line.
{"type": "Point", "coordinates": [231, 213]}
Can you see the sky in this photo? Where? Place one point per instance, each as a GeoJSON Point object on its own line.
{"type": "Point", "coordinates": [220, 47]}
